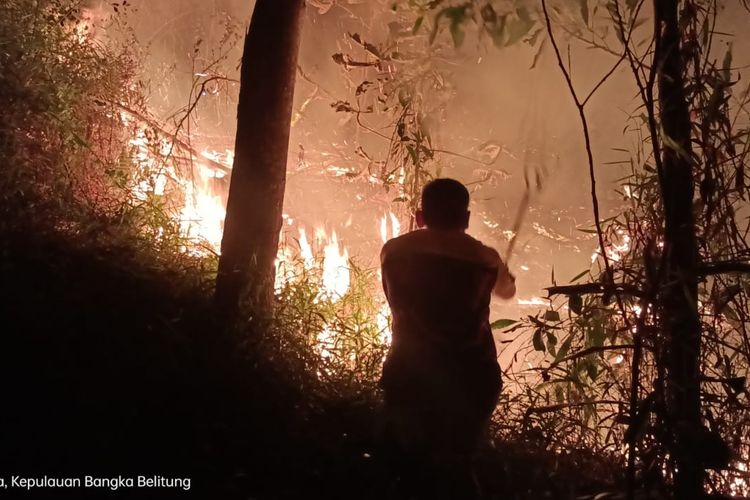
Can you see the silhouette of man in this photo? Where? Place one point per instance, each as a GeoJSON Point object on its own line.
{"type": "Point", "coordinates": [441, 378]}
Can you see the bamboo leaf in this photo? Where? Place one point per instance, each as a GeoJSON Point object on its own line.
{"type": "Point", "coordinates": [579, 276]}
{"type": "Point", "coordinates": [537, 340]}
{"type": "Point", "coordinates": [502, 323]}
{"type": "Point", "coordinates": [583, 5]}
{"type": "Point", "coordinates": [575, 303]}
{"type": "Point", "coordinates": [551, 316]}
{"type": "Point", "coordinates": [417, 25]}
{"type": "Point", "coordinates": [564, 348]}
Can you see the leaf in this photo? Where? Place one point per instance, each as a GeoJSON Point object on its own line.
{"type": "Point", "coordinates": [518, 28]}
{"type": "Point", "coordinates": [551, 315]}
{"type": "Point", "coordinates": [535, 36]}
{"type": "Point", "coordinates": [575, 303]}
{"type": "Point", "coordinates": [579, 275]}
{"type": "Point", "coordinates": [498, 33]}
{"type": "Point", "coordinates": [457, 16]}
{"type": "Point", "coordinates": [538, 53]}
{"type": "Point", "coordinates": [537, 340]}
{"type": "Point", "coordinates": [727, 64]}
{"type": "Point", "coordinates": [413, 155]}
{"type": "Point", "coordinates": [592, 371]}
{"type": "Point", "coordinates": [564, 348]}
{"type": "Point", "coordinates": [488, 14]}
{"type": "Point", "coordinates": [597, 335]}
{"type": "Point", "coordinates": [674, 146]}
{"type": "Point", "coordinates": [502, 323]}
{"type": "Point", "coordinates": [736, 384]}
{"type": "Point", "coordinates": [404, 97]}
{"type": "Point", "coordinates": [705, 31]}
{"type": "Point", "coordinates": [436, 26]}
{"type": "Point", "coordinates": [584, 7]}
{"type": "Point", "coordinates": [79, 140]}
{"type": "Point", "coordinates": [551, 339]}
{"type": "Point", "coordinates": [417, 25]}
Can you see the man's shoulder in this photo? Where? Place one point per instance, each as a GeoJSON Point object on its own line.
{"type": "Point", "coordinates": [454, 245]}
{"type": "Point", "coordinates": [400, 244]}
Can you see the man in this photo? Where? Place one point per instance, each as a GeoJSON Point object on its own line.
{"type": "Point", "coordinates": [441, 378]}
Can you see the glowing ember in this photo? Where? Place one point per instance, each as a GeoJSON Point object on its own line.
{"type": "Point", "coordinates": [615, 250]}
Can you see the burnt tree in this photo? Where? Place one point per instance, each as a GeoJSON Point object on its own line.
{"type": "Point", "coordinates": [679, 293]}
{"type": "Point", "coordinates": [256, 191]}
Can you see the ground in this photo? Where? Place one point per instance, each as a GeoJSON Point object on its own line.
{"type": "Point", "coordinates": [113, 366]}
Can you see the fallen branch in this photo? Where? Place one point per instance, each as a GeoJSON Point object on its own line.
{"type": "Point", "coordinates": [154, 124]}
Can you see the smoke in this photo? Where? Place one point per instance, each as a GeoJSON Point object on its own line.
{"type": "Point", "coordinates": [513, 100]}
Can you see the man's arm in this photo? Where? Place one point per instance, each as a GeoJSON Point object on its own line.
{"type": "Point", "coordinates": [505, 284]}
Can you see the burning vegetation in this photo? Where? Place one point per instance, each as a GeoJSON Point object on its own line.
{"type": "Point", "coordinates": [635, 369]}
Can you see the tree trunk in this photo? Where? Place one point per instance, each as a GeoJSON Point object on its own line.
{"type": "Point", "coordinates": [679, 294]}
{"type": "Point", "coordinates": [256, 191]}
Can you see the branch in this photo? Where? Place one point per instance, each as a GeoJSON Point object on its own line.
{"type": "Point", "coordinates": [585, 352]}
{"type": "Point", "coordinates": [587, 138]}
{"type": "Point", "coordinates": [595, 288]}
{"type": "Point", "coordinates": [713, 268]}
{"type": "Point", "coordinates": [562, 406]}
{"type": "Point", "coordinates": [151, 122]}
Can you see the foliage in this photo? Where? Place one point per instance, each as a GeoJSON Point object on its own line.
{"type": "Point", "coordinates": [336, 343]}
{"type": "Point", "coordinates": [407, 88]}
{"type": "Point", "coordinates": [61, 137]}
{"type": "Point", "coordinates": [603, 369]}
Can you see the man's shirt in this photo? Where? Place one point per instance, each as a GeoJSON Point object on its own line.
{"type": "Point", "coordinates": [439, 285]}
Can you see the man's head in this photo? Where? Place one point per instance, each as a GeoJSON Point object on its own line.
{"type": "Point", "coordinates": [445, 205]}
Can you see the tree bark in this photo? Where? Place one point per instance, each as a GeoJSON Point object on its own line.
{"type": "Point", "coordinates": [256, 191]}
{"type": "Point", "coordinates": [680, 291]}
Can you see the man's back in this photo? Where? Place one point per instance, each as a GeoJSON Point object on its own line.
{"type": "Point", "coordinates": [439, 285]}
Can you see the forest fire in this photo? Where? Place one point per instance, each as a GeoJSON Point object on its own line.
{"type": "Point", "coordinates": [194, 186]}
{"type": "Point", "coordinates": [623, 353]}
{"type": "Point", "coordinates": [201, 216]}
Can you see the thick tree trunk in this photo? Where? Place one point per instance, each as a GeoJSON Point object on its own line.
{"type": "Point", "coordinates": [679, 295]}
{"type": "Point", "coordinates": [256, 191]}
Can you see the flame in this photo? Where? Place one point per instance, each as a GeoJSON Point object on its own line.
{"type": "Point", "coordinates": [333, 267]}
{"type": "Point", "coordinates": [394, 223]}
{"type": "Point", "coordinates": [305, 250]}
{"type": "Point", "coordinates": [615, 250]}
{"type": "Point", "coordinates": [202, 216]}
{"type": "Point", "coordinates": [383, 320]}
{"type": "Point", "coordinates": [336, 277]}
{"type": "Point", "coordinates": [321, 256]}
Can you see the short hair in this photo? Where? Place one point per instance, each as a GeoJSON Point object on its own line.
{"type": "Point", "coordinates": [444, 204]}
